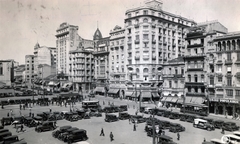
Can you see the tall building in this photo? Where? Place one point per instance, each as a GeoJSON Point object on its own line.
{"type": "Point", "coordinates": [101, 56]}
{"type": "Point", "coordinates": [198, 65]}
{"type": "Point", "coordinates": [6, 72]}
{"type": "Point", "coordinates": [153, 36]}
{"type": "Point", "coordinates": [225, 81]}
{"type": "Point", "coordinates": [81, 69]}
{"type": "Point", "coordinates": [29, 68]}
{"type": "Point", "coordinates": [117, 63]}
{"type": "Point", "coordinates": [18, 73]}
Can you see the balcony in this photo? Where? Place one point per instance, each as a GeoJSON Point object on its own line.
{"type": "Point", "coordinates": [165, 43]}
{"type": "Point", "coordinates": [129, 41]}
{"type": "Point", "coordinates": [79, 62]}
{"type": "Point", "coordinates": [153, 25]}
{"type": "Point", "coordinates": [129, 57]}
{"type": "Point", "coordinates": [219, 85]}
{"type": "Point", "coordinates": [137, 41]}
{"type": "Point", "coordinates": [219, 62]}
{"type": "Point", "coordinates": [228, 62]}
{"type": "Point", "coordinates": [210, 61]}
{"type": "Point", "coordinates": [195, 45]}
{"type": "Point", "coordinates": [79, 75]}
{"type": "Point", "coordinates": [211, 85]}
{"type": "Point", "coordinates": [174, 44]}
{"type": "Point", "coordinates": [136, 25]}
{"type": "Point", "coordinates": [79, 56]}
{"type": "Point", "coordinates": [145, 56]}
{"type": "Point", "coordinates": [195, 69]}
{"type": "Point", "coordinates": [237, 61]}
{"type": "Point", "coordinates": [195, 94]}
{"type": "Point", "coordinates": [200, 84]}
{"type": "Point", "coordinates": [199, 55]}
{"type": "Point", "coordinates": [137, 57]}
{"type": "Point", "coordinates": [178, 75]}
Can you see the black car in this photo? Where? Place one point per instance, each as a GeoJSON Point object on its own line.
{"type": "Point", "coordinates": [77, 135]}
{"type": "Point", "coordinates": [111, 109]}
{"type": "Point", "coordinates": [7, 120]}
{"type": "Point", "coordinates": [46, 126]}
{"type": "Point", "coordinates": [10, 139]}
{"type": "Point", "coordinates": [164, 124]}
{"type": "Point", "coordinates": [123, 108]}
{"type": "Point", "coordinates": [166, 114]}
{"type": "Point", "coordinates": [72, 116]}
{"type": "Point", "coordinates": [5, 134]}
{"type": "Point", "coordinates": [163, 139]}
{"type": "Point", "coordinates": [62, 129]}
{"type": "Point", "coordinates": [63, 136]}
{"type": "Point", "coordinates": [218, 124]}
{"type": "Point", "coordinates": [3, 130]}
{"type": "Point", "coordinates": [230, 126]}
{"type": "Point", "coordinates": [111, 118]}
{"type": "Point", "coordinates": [190, 118]}
{"type": "Point", "coordinates": [138, 119]}
{"type": "Point", "coordinates": [175, 127]}
{"type": "Point", "coordinates": [123, 116]}
{"type": "Point", "coordinates": [174, 115]}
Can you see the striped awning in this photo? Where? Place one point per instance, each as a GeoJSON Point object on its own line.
{"type": "Point", "coordinates": [146, 95]}
{"type": "Point", "coordinates": [99, 89]}
{"type": "Point", "coordinates": [129, 93]}
{"type": "Point", "coordinates": [174, 99]}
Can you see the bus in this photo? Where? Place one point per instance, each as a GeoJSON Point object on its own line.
{"type": "Point", "coordinates": [90, 104]}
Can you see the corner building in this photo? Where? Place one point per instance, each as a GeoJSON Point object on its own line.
{"type": "Point", "coordinates": [152, 37]}
{"type": "Point", "coordinates": [226, 80]}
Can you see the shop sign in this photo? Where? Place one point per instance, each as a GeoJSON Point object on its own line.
{"type": "Point", "coordinates": [229, 100]}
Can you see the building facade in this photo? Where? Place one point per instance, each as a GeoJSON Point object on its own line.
{"type": "Point", "coordinates": [226, 80]}
{"type": "Point", "coordinates": [198, 65]}
{"type": "Point", "coordinates": [152, 36]}
{"type": "Point", "coordinates": [81, 70]}
{"type": "Point", "coordinates": [29, 69]}
{"type": "Point", "coordinates": [173, 81]}
{"type": "Point", "coordinates": [101, 57]}
{"type": "Point", "coordinates": [6, 72]}
{"type": "Point", "coordinates": [18, 73]}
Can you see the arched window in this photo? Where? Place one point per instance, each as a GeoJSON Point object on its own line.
{"type": "Point", "coordinates": [233, 45]}
{"type": "Point", "coordinates": [137, 70]}
{"type": "Point", "coordinates": [145, 20]}
{"type": "Point", "coordinates": [195, 78]}
{"type": "Point", "coordinates": [219, 46]}
{"type": "Point", "coordinates": [145, 70]}
{"type": "Point", "coordinates": [202, 78]}
{"type": "Point", "coordinates": [224, 46]}
{"type": "Point", "coordinates": [153, 70]}
{"type": "Point", "coordinates": [189, 78]}
{"type": "Point", "coordinates": [196, 89]}
{"type": "Point", "coordinates": [228, 45]}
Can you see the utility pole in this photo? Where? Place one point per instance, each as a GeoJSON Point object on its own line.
{"type": "Point", "coordinates": [154, 134]}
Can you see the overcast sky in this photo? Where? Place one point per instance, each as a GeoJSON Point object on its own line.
{"type": "Point", "coordinates": [23, 23]}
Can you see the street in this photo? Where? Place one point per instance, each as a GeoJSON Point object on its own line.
{"type": "Point", "coordinates": [122, 130]}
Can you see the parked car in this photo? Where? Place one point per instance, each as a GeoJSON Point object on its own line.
{"type": "Point", "coordinates": [20, 142]}
{"type": "Point", "coordinates": [111, 118]}
{"type": "Point", "coordinates": [77, 135]}
{"type": "Point", "coordinates": [137, 119]}
{"type": "Point", "coordinates": [5, 134]}
{"type": "Point", "coordinates": [166, 114]}
{"type": "Point", "coordinates": [163, 139]}
{"type": "Point", "coordinates": [142, 108]}
{"type": "Point", "coordinates": [175, 127]}
{"type": "Point", "coordinates": [10, 139]}
{"type": "Point", "coordinates": [46, 126]}
{"type": "Point", "coordinates": [218, 124]}
{"type": "Point", "coordinates": [174, 115]}
{"type": "Point", "coordinates": [160, 112]}
{"type": "Point", "coordinates": [83, 114]}
{"type": "Point", "coordinates": [201, 123]}
{"type": "Point", "coordinates": [7, 120]}
{"type": "Point", "coordinates": [123, 108]}
{"type": "Point", "coordinates": [63, 136]}
{"type": "Point", "coordinates": [62, 129]}
{"type": "Point", "coordinates": [123, 116]}
{"type": "Point", "coordinates": [4, 130]}
{"type": "Point", "coordinates": [230, 126]}
{"type": "Point", "coordinates": [190, 118]}
{"type": "Point", "coordinates": [72, 116]}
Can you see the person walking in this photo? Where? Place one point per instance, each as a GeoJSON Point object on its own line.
{"type": "Point", "coordinates": [102, 132]}
{"type": "Point", "coordinates": [134, 127]}
{"type": "Point", "coordinates": [50, 110]}
{"type": "Point", "coordinates": [178, 136]}
{"type": "Point", "coordinates": [20, 107]}
{"type": "Point", "coordinates": [204, 140]}
{"type": "Point", "coordinates": [129, 120]}
{"type": "Point", "coordinates": [223, 132]}
{"type": "Point", "coordinates": [21, 128]}
{"type": "Point", "coordinates": [111, 136]}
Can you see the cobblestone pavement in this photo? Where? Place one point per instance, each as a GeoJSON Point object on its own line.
{"type": "Point", "coordinates": [122, 130]}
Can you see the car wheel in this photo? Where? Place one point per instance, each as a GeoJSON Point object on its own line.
{"type": "Point", "coordinates": [209, 129]}
{"type": "Point", "coordinates": [194, 125]}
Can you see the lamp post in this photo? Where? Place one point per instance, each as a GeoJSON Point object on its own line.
{"type": "Point", "coordinates": [140, 96]}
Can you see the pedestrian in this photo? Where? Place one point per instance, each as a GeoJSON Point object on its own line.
{"type": "Point", "coordinates": [7, 114]}
{"type": "Point", "coordinates": [30, 114]}
{"type": "Point", "coordinates": [102, 132]}
{"type": "Point", "coordinates": [23, 107]}
{"type": "Point", "coordinates": [163, 132]}
{"type": "Point", "coordinates": [134, 127]}
{"type": "Point", "coordinates": [2, 121]}
{"type": "Point", "coordinates": [204, 140]}
{"type": "Point", "coordinates": [111, 136]}
{"type": "Point", "coordinates": [21, 128]}
{"type": "Point", "coordinates": [50, 110]}
{"type": "Point", "coordinates": [65, 104]}
{"type": "Point", "coordinates": [129, 120]}
{"type": "Point", "coordinates": [223, 132]}
{"type": "Point", "coordinates": [20, 107]}
{"type": "Point", "coordinates": [178, 136]}
{"type": "Point", "coordinates": [20, 112]}
{"type": "Point", "coordinates": [103, 103]}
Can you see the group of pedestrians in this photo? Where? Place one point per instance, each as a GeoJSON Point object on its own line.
{"type": "Point", "coordinates": [111, 135]}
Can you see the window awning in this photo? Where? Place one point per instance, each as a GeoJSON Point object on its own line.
{"type": "Point", "coordinates": [180, 101]}
{"type": "Point", "coordinates": [146, 95]}
{"type": "Point", "coordinates": [111, 91]}
{"type": "Point", "coordinates": [155, 94]}
{"type": "Point", "coordinates": [99, 89]}
{"type": "Point", "coordinates": [115, 91]}
{"type": "Point", "coordinates": [129, 93]}
{"type": "Point", "coordinates": [163, 99]}
{"type": "Point", "coordinates": [188, 99]}
{"type": "Point", "coordinates": [174, 99]}
{"type": "Point", "coordinates": [168, 99]}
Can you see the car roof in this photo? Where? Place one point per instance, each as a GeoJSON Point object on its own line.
{"type": "Point", "coordinates": [165, 137]}
{"type": "Point", "coordinates": [230, 122]}
{"type": "Point", "coordinates": [72, 129]}
{"type": "Point", "coordinates": [219, 121]}
{"type": "Point", "coordinates": [236, 132]}
{"type": "Point", "coordinates": [10, 137]}
{"type": "Point", "coordinates": [200, 120]}
{"type": "Point", "coordinates": [5, 133]}
{"type": "Point", "coordinates": [233, 136]}
{"type": "Point", "coordinates": [1, 130]}
{"type": "Point", "coordinates": [79, 130]}
{"type": "Point", "coordinates": [217, 140]}
{"type": "Point", "coordinates": [20, 142]}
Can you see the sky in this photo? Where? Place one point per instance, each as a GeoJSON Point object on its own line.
{"type": "Point", "coordinates": [23, 23]}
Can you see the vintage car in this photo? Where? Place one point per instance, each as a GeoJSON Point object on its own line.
{"type": "Point", "coordinates": [211, 121]}
{"type": "Point", "coordinates": [160, 112]}
{"type": "Point", "coordinates": [201, 123]}
{"type": "Point", "coordinates": [4, 130]}
{"type": "Point", "coordinates": [77, 135]}
{"type": "Point", "coordinates": [175, 127]}
{"type": "Point", "coordinates": [230, 126]}
{"type": "Point", "coordinates": [218, 124]}
{"type": "Point", "coordinates": [230, 139]}
{"type": "Point", "coordinates": [20, 142]}
{"type": "Point", "coordinates": [163, 139]}
{"type": "Point", "coordinates": [44, 116]}
{"type": "Point", "coordinates": [123, 116]}
{"type": "Point", "coordinates": [174, 115]}
{"type": "Point", "coordinates": [111, 118]}
{"type": "Point", "coordinates": [46, 126]}
{"type": "Point", "coordinates": [95, 113]}
{"type": "Point", "coordinates": [7, 120]}
{"type": "Point", "coordinates": [29, 121]}
{"type": "Point", "coordinates": [5, 134]}
{"type": "Point", "coordinates": [164, 124]}
{"type": "Point", "coordinates": [63, 136]}
{"type": "Point", "coordinates": [111, 109]}
{"type": "Point", "coordinates": [83, 114]}
{"type": "Point", "coordinates": [142, 108]}
{"type": "Point", "coordinates": [72, 116]}
{"type": "Point", "coordinates": [137, 119]}
{"type": "Point", "coordinates": [57, 115]}
{"type": "Point", "coordinates": [62, 129]}
{"type": "Point", "coordinates": [123, 108]}
{"type": "Point", "coordinates": [190, 118]}
{"type": "Point", "coordinates": [10, 139]}
{"type": "Point", "coordinates": [166, 114]}
{"type": "Point", "coordinates": [38, 120]}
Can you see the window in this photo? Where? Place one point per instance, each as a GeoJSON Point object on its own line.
{"type": "Point", "coordinates": [220, 56]}
{"type": "Point", "coordinates": [176, 71]}
{"type": "Point", "coordinates": [238, 56]}
{"type": "Point", "coordinates": [196, 78]}
{"type": "Point", "coordinates": [189, 89]}
{"type": "Point", "coordinates": [145, 12]}
{"type": "Point", "coordinates": [170, 84]}
{"type": "Point", "coordinates": [176, 84]}
{"type": "Point", "coordinates": [229, 93]}
{"type": "Point", "coordinates": [211, 80]}
{"type": "Point", "coordinates": [145, 20]}
{"type": "Point", "coordinates": [137, 37]}
{"type": "Point", "coordinates": [237, 92]}
{"type": "Point", "coordinates": [229, 56]}
{"type": "Point", "coordinates": [145, 36]}
{"type": "Point", "coordinates": [229, 81]}
{"type": "Point", "coordinates": [145, 27]}
{"type": "Point", "coordinates": [1, 68]}
{"type": "Point", "coordinates": [145, 70]}
{"type": "Point", "coordinates": [202, 78]}
{"type": "Point", "coordinates": [129, 31]}
{"type": "Point", "coordinates": [137, 70]}
{"type": "Point", "coordinates": [170, 70]}
{"type": "Point", "coordinates": [219, 67]}
{"type": "Point", "coordinates": [182, 71]}
{"type": "Point", "coordinates": [229, 69]}
{"type": "Point", "coordinates": [129, 23]}
{"type": "Point", "coordinates": [189, 78]}
{"type": "Point", "coordinates": [196, 51]}
{"type": "Point", "coordinates": [195, 89]}
{"type": "Point", "coordinates": [219, 79]}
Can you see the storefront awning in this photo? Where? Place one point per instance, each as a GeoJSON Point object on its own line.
{"type": "Point", "coordinates": [168, 99]}
{"type": "Point", "coordinates": [146, 95]}
{"type": "Point", "coordinates": [198, 100]}
{"type": "Point", "coordinates": [111, 91]}
{"type": "Point", "coordinates": [163, 99]}
{"type": "Point", "coordinates": [180, 101]}
{"type": "Point", "coordinates": [115, 91]}
{"type": "Point", "coordinates": [174, 99]}
{"type": "Point", "coordinates": [99, 89]}
{"type": "Point", "coordinates": [188, 99]}
{"type": "Point", "coordinates": [155, 94]}
{"type": "Point", "coordinates": [129, 93]}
